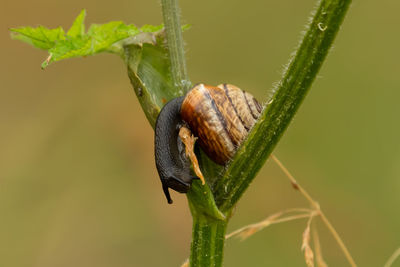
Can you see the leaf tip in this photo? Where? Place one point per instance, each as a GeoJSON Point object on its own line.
{"type": "Point", "coordinates": [186, 27]}
{"type": "Point", "coordinates": [46, 62]}
{"type": "Point", "coordinates": [78, 26]}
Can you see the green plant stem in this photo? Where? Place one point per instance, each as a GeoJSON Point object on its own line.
{"type": "Point", "coordinates": [171, 16]}
{"type": "Point", "coordinates": [208, 242]}
{"type": "Point", "coordinates": [209, 224]}
{"type": "Point", "coordinates": [280, 110]}
{"type": "Point", "coordinates": [208, 232]}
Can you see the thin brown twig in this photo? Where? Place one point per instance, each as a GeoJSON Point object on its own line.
{"type": "Point", "coordinates": [317, 207]}
{"type": "Point", "coordinates": [392, 258]}
{"type": "Point", "coordinates": [291, 218]}
{"type": "Point", "coordinates": [272, 219]}
{"type": "Point", "coordinates": [318, 252]}
{"type": "Point", "coordinates": [246, 231]}
{"type": "Point", "coordinates": [305, 246]}
{"type": "Point", "coordinates": [251, 229]}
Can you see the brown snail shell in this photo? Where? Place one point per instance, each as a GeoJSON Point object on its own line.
{"type": "Point", "coordinates": [220, 117]}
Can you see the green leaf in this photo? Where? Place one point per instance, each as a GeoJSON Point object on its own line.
{"type": "Point", "coordinates": [104, 35]}
{"type": "Point", "coordinates": [108, 37]}
{"type": "Point", "coordinates": [72, 47]}
{"type": "Point", "coordinates": [148, 70]}
{"type": "Point", "coordinates": [39, 37]}
{"type": "Point", "coordinates": [78, 26]}
{"type": "Point", "coordinates": [186, 27]}
{"type": "Point", "coordinates": [151, 28]}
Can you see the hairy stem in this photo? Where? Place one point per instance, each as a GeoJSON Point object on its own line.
{"type": "Point", "coordinates": [208, 231]}
{"type": "Point", "coordinates": [280, 110]}
{"type": "Point", "coordinates": [171, 16]}
{"type": "Point", "coordinates": [207, 243]}
{"type": "Point", "coordinates": [209, 224]}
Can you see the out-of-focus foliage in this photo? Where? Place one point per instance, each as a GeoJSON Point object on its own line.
{"type": "Point", "coordinates": [78, 185]}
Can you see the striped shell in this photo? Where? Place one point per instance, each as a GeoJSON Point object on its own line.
{"type": "Point", "coordinates": [220, 117]}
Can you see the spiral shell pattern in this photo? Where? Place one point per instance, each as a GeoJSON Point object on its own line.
{"type": "Point", "coordinates": [220, 117]}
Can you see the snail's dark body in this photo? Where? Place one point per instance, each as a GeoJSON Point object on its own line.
{"type": "Point", "coordinates": [220, 117]}
{"type": "Point", "coordinates": [172, 165]}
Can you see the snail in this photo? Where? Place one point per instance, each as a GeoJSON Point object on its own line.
{"type": "Point", "coordinates": [220, 117]}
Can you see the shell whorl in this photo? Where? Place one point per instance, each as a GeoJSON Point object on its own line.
{"type": "Point", "coordinates": [220, 117]}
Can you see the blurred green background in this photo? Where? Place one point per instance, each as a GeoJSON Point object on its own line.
{"type": "Point", "coordinates": [78, 185]}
